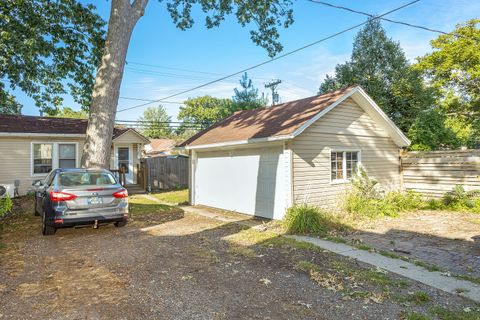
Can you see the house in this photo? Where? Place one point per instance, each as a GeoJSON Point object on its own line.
{"type": "Point", "coordinates": [262, 161]}
{"type": "Point", "coordinates": [32, 146]}
{"type": "Point", "coordinates": [159, 147]}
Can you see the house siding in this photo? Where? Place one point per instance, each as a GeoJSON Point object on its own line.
{"type": "Point", "coordinates": [346, 127]}
{"type": "Point", "coordinates": [15, 159]}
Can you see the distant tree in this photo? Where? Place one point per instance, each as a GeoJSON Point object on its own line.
{"type": "Point", "coordinates": [430, 132]}
{"type": "Point", "coordinates": [454, 69]}
{"type": "Point", "coordinates": [247, 96]}
{"type": "Point", "coordinates": [204, 111]}
{"type": "Point", "coordinates": [48, 49]}
{"type": "Point", "coordinates": [379, 65]}
{"type": "Point", "coordinates": [155, 123]}
{"type": "Point", "coordinates": [67, 112]}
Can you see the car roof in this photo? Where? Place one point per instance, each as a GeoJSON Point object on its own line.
{"type": "Point", "coordinates": [80, 170]}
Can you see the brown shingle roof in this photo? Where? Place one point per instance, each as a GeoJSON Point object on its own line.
{"type": "Point", "coordinates": [282, 119]}
{"type": "Point", "coordinates": [159, 145]}
{"type": "Point", "coordinates": [47, 125]}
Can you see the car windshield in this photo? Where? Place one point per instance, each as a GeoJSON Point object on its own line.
{"type": "Point", "coordinates": [75, 179]}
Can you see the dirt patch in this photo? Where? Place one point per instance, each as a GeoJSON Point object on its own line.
{"type": "Point", "coordinates": [73, 280]}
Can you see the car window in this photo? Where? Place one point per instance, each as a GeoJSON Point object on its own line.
{"type": "Point", "coordinates": [49, 179]}
{"type": "Point", "coordinates": [75, 179]}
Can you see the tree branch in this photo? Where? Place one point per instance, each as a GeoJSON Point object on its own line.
{"type": "Point", "coordinates": [138, 7]}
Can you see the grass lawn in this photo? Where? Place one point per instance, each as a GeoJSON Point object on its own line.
{"type": "Point", "coordinates": [173, 197]}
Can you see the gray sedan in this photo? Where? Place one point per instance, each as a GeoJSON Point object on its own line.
{"type": "Point", "coordinates": [80, 197]}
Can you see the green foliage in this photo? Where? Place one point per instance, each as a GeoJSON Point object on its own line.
{"type": "Point", "coordinates": [207, 110]}
{"type": "Point", "coordinates": [460, 199]}
{"type": "Point", "coordinates": [366, 200]}
{"type": "Point", "coordinates": [247, 97]}
{"type": "Point", "coordinates": [364, 186]}
{"type": "Point", "coordinates": [453, 68]}
{"type": "Point", "coordinates": [266, 15]}
{"type": "Point", "coordinates": [155, 123]}
{"type": "Point", "coordinates": [48, 49]}
{"type": "Point", "coordinates": [67, 112]}
{"type": "Point", "coordinates": [430, 132]}
{"type": "Point", "coordinates": [204, 111]}
{"type": "Point", "coordinates": [379, 65]}
{"type": "Point", "coordinates": [306, 219]}
{"type": "Point", "coordinates": [5, 206]}
{"type": "Point", "coordinates": [442, 313]}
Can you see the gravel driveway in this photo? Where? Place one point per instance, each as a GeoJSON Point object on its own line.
{"type": "Point", "coordinates": [192, 267]}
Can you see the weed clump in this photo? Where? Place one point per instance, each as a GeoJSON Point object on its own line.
{"type": "Point", "coordinates": [307, 219]}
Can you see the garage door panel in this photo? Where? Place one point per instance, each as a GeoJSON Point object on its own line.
{"type": "Point", "coordinates": [248, 181]}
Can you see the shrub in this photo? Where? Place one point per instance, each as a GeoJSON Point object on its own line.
{"type": "Point", "coordinates": [5, 206]}
{"type": "Point", "coordinates": [366, 200]}
{"type": "Point", "coordinates": [459, 199]}
{"type": "Point", "coordinates": [305, 219]}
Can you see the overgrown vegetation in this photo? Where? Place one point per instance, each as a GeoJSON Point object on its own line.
{"type": "Point", "coordinates": [5, 206]}
{"type": "Point", "coordinates": [307, 219]}
{"type": "Point", "coordinates": [367, 199]}
{"type": "Point", "coordinates": [458, 199]}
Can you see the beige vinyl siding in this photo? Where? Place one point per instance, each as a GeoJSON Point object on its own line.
{"type": "Point", "coordinates": [15, 159]}
{"type": "Point", "coordinates": [347, 127]}
{"type": "Point", "coordinates": [130, 137]}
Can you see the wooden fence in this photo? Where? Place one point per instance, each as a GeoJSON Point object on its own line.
{"type": "Point", "coordinates": [433, 173]}
{"type": "Point", "coordinates": [162, 173]}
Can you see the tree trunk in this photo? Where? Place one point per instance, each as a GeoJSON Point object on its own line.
{"type": "Point", "coordinates": [98, 142]}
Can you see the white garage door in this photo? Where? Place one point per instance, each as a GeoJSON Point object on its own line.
{"type": "Point", "coordinates": [250, 181]}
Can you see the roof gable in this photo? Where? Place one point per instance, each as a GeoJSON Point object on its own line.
{"type": "Point", "coordinates": [276, 121]}
{"type": "Point", "coordinates": [288, 120]}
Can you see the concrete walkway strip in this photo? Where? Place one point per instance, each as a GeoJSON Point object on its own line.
{"type": "Point", "coordinates": [403, 268]}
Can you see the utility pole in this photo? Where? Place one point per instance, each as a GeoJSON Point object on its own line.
{"type": "Point", "coordinates": [272, 85]}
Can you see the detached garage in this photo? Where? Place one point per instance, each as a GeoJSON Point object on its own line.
{"type": "Point", "coordinates": [261, 161]}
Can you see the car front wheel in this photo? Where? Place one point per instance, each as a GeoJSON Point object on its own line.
{"type": "Point", "coordinates": [46, 229]}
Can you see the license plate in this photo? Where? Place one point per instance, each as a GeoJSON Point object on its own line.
{"type": "Point", "coordinates": [94, 200]}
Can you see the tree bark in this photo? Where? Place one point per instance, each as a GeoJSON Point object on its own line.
{"type": "Point", "coordinates": [98, 142]}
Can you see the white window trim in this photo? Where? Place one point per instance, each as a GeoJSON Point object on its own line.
{"type": "Point", "coordinates": [55, 155]}
{"type": "Point", "coordinates": [344, 164]}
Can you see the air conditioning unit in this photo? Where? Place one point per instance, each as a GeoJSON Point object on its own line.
{"type": "Point", "coordinates": [7, 190]}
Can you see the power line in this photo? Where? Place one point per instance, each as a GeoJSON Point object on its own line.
{"type": "Point", "coordinates": [149, 100]}
{"type": "Point", "coordinates": [371, 15]}
{"type": "Point", "coordinates": [171, 68]}
{"type": "Point", "coordinates": [271, 60]}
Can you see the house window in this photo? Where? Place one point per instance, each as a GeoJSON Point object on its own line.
{"type": "Point", "coordinates": [344, 165]}
{"type": "Point", "coordinates": [42, 158]}
{"type": "Point", "coordinates": [67, 156]}
{"type": "Point", "coordinates": [123, 159]}
{"type": "Point", "coordinates": [47, 156]}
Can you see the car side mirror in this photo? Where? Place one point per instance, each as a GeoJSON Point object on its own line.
{"type": "Point", "coordinates": [37, 183]}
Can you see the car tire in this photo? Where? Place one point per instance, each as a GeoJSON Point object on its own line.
{"type": "Point", "coordinates": [120, 224]}
{"type": "Point", "coordinates": [46, 229]}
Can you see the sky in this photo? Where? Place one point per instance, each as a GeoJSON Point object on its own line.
{"type": "Point", "coordinates": [163, 60]}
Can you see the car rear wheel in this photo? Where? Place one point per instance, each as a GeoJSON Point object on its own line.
{"type": "Point", "coordinates": [120, 224]}
{"type": "Point", "coordinates": [46, 229]}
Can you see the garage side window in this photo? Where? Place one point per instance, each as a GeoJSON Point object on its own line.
{"type": "Point", "coordinates": [343, 165]}
{"type": "Point", "coordinates": [42, 158]}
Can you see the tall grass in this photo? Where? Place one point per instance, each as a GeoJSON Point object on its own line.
{"type": "Point", "coordinates": [307, 219]}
